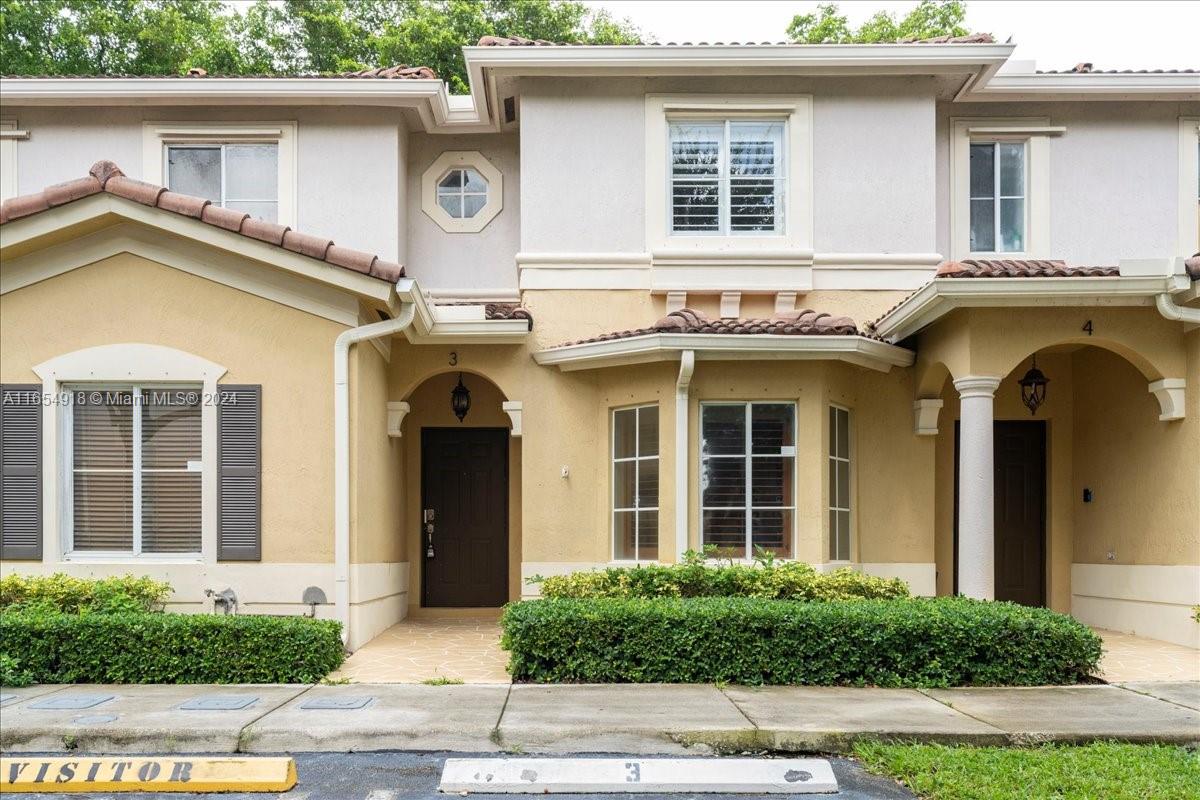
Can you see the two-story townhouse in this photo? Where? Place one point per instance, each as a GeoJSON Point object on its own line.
{"type": "Point", "coordinates": [352, 346]}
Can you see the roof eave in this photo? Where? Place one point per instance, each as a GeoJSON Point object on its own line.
{"type": "Point", "coordinates": [860, 350]}
{"type": "Point", "coordinates": [1085, 85]}
{"type": "Point", "coordinates": [942, 295]}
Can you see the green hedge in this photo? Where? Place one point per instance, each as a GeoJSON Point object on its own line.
{"type": "Point", "coordinates": [792, 580]}
{"type": "Point", "coordinates": [916, 642]}
{"type": "Point", "coordinates": [70, 595]}
{"type": "Point", "coordinates": [169, 648]}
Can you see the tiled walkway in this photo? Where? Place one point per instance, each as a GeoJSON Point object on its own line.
{"type": "Point", "coordinates": [1134, 658]}
{"type": "Point", "coordinates": [463, 649]}
{"type": "Point", "coordinates": [467, 649]}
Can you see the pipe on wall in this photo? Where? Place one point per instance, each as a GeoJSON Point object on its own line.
{"type": "Point", "coordinates": [341, 450]}
{"type": "Point", "coordinates": [1167, 306]}
{"type": "Point", "coordinates": [687, 365]}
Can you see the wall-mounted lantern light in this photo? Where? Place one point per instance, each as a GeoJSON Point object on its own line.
{"type": "Point", "coordinates": [1033, 388]}
{"type": "Point", "coordinates": [460, 399]}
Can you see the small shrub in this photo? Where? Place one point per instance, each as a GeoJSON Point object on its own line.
{"type": "Point", "coordinates": [791, 580]}
{"type": "Point", "coordinates": [11, 673]}
{"type": "Point", "coordinates": [171, 648]}
{"type": "Point", "coordinates": [59, 593]}
{"type": "Point", "coordinates": [913, 642]}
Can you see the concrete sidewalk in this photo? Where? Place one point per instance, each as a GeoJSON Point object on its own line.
{"type": "Point", "coordinates": [650, 719]}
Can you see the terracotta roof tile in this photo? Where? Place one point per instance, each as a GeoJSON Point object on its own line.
{"type": "Point", "coordinates": [105, 176]}
{"type": "Point", "coordinates": [396, 72]}
{"type": "Point", "coordinates": [686, 320]}
{"type": "Point", "coordinates": [507, 311]}
{"type": "Point", "coordinates": [1192, 267]}
{"type": "Point", "coordinates": [1020, 268]}
{"type": "Point", "coordinates": [1087, 68]}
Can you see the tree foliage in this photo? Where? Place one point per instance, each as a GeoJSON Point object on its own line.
{"type": "Point", "coordinates": [929, 19]}
{"type": "Point", "coordinates": [164, 37]}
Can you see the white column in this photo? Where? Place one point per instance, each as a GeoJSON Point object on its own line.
{"type": "Point", "coordinates": [976, 492]}
{"type": "Point", "coordinates": [687, 365]}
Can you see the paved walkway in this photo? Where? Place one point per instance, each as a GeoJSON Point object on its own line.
{"type": "Point", "coordinates": [460, 648]}
{"type": "Point", "coordinates": [1136, 658]}
{"type": "Point", "coordinates": [650, 719]}
{"type": "Point", "coordinates": [467, 649]}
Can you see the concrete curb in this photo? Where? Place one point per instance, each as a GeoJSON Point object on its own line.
{"type": "Point", "coordinates": [558, 719]}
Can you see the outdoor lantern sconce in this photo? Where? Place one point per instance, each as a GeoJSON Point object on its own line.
{"type": "Point", "coordinates": [460, 399]}
{"type": "Point", "coordinates": [1033, 388]}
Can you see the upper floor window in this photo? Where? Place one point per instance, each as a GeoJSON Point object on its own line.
{"type": "Point", "coordinates": [727, 177]}
{"type": "Point", "coordinates": [462, 191]}
{"type": "Point", "coordinates": [747, 477]}
{"type": "Point", "coordinates": [242, 177]}
{"type": "Point", "coordinates": [248, 167]}
{"type": "Point", "coordinates": [635, 483]}
{"type": "Point", "coordinates": [998, 197]}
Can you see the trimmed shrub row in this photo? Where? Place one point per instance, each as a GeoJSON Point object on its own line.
{"type": "Point", "coordinates": [70, 595]}
{"type": "Point", "coordinates": [169, 648]}
{"type": "Point", "coordinates": [790, 580]}
{"type": "Point", "coordinates": [934, 642]}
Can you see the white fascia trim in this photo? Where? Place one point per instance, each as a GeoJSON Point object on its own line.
{"type": "Point", "coordinates": [688, 59]}
{"type": "Point", "coordinates": [1087, 85]}
{"type": "Point", "coordinates": [938, 297]}
{"type": "Point", "coordinates": [858, 350]}
{"type": "Point", "coordinates": [27, 229]}
{"type": "Point", "coordinates": [1189, 220]}
{"type": "Point", "coordinates": [427, 328]}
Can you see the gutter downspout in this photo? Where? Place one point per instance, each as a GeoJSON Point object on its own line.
{"type": "Point", "coordinates": [1171, 310]}
{"type": "Point", "coordinates": [687, 365]}
{"type": "Point", "coordinates": [341, 450]}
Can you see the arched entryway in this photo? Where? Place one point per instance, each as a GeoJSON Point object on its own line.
{"type": "Point", "coordinates": [462, 487]}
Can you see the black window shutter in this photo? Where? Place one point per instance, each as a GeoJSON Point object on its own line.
{"type": "Point", "coordinates": [239, 473]}
{"type": "Point", "coordinates": [21, 471]}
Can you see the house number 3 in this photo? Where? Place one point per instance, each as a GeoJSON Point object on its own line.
{"type": "Point", "coordinates": [635, 772]}
{"type": "Point", "coordinates": [454, 358]}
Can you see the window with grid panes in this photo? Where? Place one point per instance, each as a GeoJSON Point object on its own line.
{"type": "Point", "coordinates": [839, 484]}
{"type": "Point", "coordinates": [242, 177]}
{"type": "Point", "coordinates": [727, 177]}
{"type": "Point", "coordinates": [635, 483]}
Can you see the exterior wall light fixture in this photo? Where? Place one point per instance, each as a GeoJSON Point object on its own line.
{"type": "Point", "coordinates": [1033, 388]}
{"type": "Point", "coordinates": [460, 399]}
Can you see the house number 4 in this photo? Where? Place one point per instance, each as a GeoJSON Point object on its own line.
{"type": "Point", "coordinates": [1087, 327]}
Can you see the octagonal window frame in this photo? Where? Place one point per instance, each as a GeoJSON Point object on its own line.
{"type": "Point", "coordinates": [437, 172]}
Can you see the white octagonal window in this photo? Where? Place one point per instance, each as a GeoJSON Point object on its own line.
{"type": "Point", "coordinates": [462, 192]}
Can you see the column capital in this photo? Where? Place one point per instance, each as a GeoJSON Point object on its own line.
{"type": "Point", "coordinates": [977, 386]}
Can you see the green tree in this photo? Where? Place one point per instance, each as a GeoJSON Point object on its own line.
{"type": "Point", "coordinates": [929, 19]}
{"type": "Point", "coordinates": [157, 37]}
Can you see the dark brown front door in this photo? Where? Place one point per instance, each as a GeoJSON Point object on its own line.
{"type": "Point", "coordinates": [464, 482]}
{"type": "Point", "coordinates": [1020, 453]}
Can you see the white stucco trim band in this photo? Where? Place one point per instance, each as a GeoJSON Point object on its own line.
{"type": "Point", "coordinates": [1145, 599]}
{"type": "Point", "coordinates": [858, 350]}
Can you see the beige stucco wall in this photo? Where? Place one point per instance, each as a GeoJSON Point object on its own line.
{"type": "Point", "coordinates": [130, 299]}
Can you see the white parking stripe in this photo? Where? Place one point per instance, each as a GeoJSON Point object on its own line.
{"type": "Point", "coordinates": [634, 774]}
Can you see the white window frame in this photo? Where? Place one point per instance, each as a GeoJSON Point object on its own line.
{"type": "Point", "coordinates": [462, 159]}
{"type": "Point", "coordinates": [749, 457]}
{"type": "Point", "coordinates": [137, 472]}
{"type": "Point", "coordinates": [1189, 169]}
{"type": "Point", "coordinates": [9, 135]}
{"type": "Point", "coordinates": [795, 241]}
{"type": "Point", "coordinates": [122, 364]}
{"type": "Point", "coordinates": [1036, 133]}
{"type": "Point", "coordinates": [829, 506]}
{"type": "Point", "coordinates": [158, 136]}
{"type": "Point", "coordinates": [612, 477]}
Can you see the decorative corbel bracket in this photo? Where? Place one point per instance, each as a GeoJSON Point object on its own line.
{"type": "Point", "coordinates": [397, 410]}
{"type": "Point", "coordinates": [513, 409]}
{"type": "Point", "coordinates": [1169, 393]}
{"type": "Point", "coordinates": [925, 416]}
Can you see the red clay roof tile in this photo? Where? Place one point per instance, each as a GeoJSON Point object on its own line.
{"type": "Point", "coordinates": [507, 311]}
{"type": "Point", "coordinates": [105, 176]}
{"type": "Point", "coordinates": [1020, 268]}
{"type": "Point", "coordinates": [687, 321]}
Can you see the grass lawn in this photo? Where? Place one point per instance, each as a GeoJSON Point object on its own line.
{"type": "Point", "coordinates": [1101, 771]}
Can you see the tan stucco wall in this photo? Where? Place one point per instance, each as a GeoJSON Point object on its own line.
{"type": "Point", "coordinates": [126, 298]}
{"type": "Point", "coordinates": [376, 463]}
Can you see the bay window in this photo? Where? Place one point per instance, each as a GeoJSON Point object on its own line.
{"type": "Point", "coordinates": [747, 477]}
{"type": "Point", "coordinates": [635, 483]}
{"type": "Point", "coordinates": [727, 177]}
{"type": "Point", "coordinates": [133, 469]}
